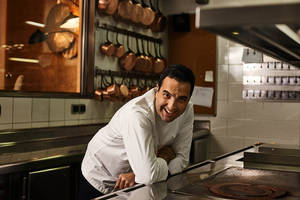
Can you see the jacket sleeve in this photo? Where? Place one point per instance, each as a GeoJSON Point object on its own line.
{"type": "Point", "coordinates": [182, 143]}
{"type": "Point", "coordinates": [138, 141]}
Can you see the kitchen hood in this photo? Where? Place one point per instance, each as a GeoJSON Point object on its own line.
{"type": "Point", "coordinates": [268, 26]}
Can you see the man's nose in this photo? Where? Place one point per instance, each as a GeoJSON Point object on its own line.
{"type": "Point", "coordinates": [172, 104]}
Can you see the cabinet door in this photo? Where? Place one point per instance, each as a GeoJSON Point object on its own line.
{"type": "Point", "coordinates": [54, 183]}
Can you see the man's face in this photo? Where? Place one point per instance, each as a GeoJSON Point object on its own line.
{"type": "Point", "coordinates": [171, 99]}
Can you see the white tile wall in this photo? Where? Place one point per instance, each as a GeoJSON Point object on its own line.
{"type": "Point", "coordinates": [22, 110]}
{"type": "Point", "coordinates": [241, 123]}
{"type": "Point", "coordinates": [40, 110]}
{"type": "Point", "coordinates": [24, 113]}
{"type": "Point", "coordinates": [6, 110]}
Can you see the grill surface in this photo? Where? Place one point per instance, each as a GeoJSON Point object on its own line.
{"type": "Point", "coordinates": [247, 184]}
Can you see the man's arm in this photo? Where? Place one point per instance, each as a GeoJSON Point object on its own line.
{"type": "Point", "coordinates": [139, 145]}
{"type": "Point", "coordinates": [182, 144]}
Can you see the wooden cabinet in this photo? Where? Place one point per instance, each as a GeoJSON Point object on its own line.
{"type": "Point", "coordinates": [196, 49]}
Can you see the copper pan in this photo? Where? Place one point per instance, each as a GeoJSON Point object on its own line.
{"type": "Point", "coordinates": [141, 62]}
{"type": "Point", "coordinates": [124, 89]}
{"type": "Point", "coordinates": [160, 21]}
{"type": "Point", "coordinates": [99, 94]}
{"type": "Point", "coordinates": [137, 12]}
{"type": "Point", "coordinates": [119, 48]}
{"type": "Point", "coordinates": [127, 61]}
{"type": "Point", "coordinates": [108, 47]}
{"type": "Point", "coordinates": [112, 7]}
{"type": "Point", "coordinates": [125, 9]}
{"type": "Point", "coordinates": [148, 15]}
{"type": "Point", "coordinates": [102, 5]}
{"type": "Point", "coordinates": [159, 63]}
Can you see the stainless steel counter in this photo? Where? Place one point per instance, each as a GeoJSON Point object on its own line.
{"type": "Point", "coordinates": [196, 181]}
{"type": "Point", "coordinates": [167, 189]}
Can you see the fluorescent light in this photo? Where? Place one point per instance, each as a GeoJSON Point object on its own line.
{"type": "Point", "coordinates": [289, 32]}
{"type": "Point", "coordinates": [35, 24]}
{"type": "Point", "coordinates": [235, 33]}
{"type": "Point", "coordinates": [23, 60]}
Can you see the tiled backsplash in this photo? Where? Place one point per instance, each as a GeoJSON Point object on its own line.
{"type": "Point", "coordinates": [240, 123]}
{"type": "Point", "coordinates": [23, 113]}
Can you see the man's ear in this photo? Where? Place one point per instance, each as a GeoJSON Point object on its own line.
{"type": "Point", "coordinates": [156, 87]}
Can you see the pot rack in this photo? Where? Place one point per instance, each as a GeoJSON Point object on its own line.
{"type": "Point", "coordinates": [101, 72]}
{"type": "Point", "coordinates": [126, 32]}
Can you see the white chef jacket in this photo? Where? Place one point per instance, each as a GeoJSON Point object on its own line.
{"type": "Point", "coordinates": [128, 143]}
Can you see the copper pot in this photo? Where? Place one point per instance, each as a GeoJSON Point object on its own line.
{"type": "Point", "coordinates": [112, 7]}
{"type": "Point", "coordinates": [137, 12]}
{"type": "Point", "coordinates": [160, 21]}
{"type": "Point", "coordinates": [107, 7]}
{"type": "Point", "coordinates": [140, 63]}
{"type": "Point", "coordinates": [125, 9]}
{"type": "Point", "coordinates": [127, 61]}
{"type": "Point", "coordinates": [134, 91]}
{"type": "Point", "coordinates": [108, 47]}
{"type": "Point", "coordinates": [102, 5]}
{"type": "Point", "coordinates": [119, 48]}
{"type": "Point", "coordinates": [148, 15]}
{"type": "Point", "coordinates": [99, 94]}
{"type": "Point", "coordinates": [159, 63]}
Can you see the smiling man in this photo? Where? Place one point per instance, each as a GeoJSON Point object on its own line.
{"type": "Point", "coordinates": [146, 139]}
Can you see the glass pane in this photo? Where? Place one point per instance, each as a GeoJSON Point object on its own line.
{"type": "Point", "coordinates": [40, 45]}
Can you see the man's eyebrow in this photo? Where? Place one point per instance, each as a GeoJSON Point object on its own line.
{"type": "Point", "coordinates": [166, 91]}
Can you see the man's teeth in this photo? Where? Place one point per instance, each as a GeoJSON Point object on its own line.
{"type": "Point", "coordinates": [168, 111]}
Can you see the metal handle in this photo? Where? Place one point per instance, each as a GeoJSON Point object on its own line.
{"type": "Point", "coordinates": [24, 184]}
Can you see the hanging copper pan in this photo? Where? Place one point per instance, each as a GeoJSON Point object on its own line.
{"type": "Point", "coordinates": [112, 7]}
{"type": "Point", "coordinates": [137, 12]}
{"type": "Point", "coordinates": [160, 21]}
{"type": "Point", "coordinates": [108, 47]}
{"type": "Point", "coordinates": [159, 63]}
{"type": "Point", "coordinates": [125, 9]}
{"type": "Point", "coordinates": [148, 64]}
{"type": "Point", "coordinates": [102, 5]}
{"type": "Point", "coordinates": [140, 59]}
{"type": "Point", "coordinates": [127, 61]}
{"type": "Point", "coordinates": [119, 48]}
{"type": "Point", "coordinates": [148, 15]}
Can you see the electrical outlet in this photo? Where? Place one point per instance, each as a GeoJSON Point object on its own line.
{"type": "Point", "coordinates": [82, 108]}
{"type": "Point", "coordinates": [74, 108]}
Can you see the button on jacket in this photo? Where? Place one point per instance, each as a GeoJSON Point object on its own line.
{"type": "Point", "coordinates": [129, 141]}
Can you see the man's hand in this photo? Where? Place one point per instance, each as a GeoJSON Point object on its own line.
{"type": "Point", "coordinates": [125, 180]}
{"type": "Point", "coordinates": [166, 153]}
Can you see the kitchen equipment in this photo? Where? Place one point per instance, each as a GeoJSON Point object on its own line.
{"type": "Point", "coordinates": [141, 62]}
{"type": "Point", "coordinates": [119, 48]}
{"type": "Point", "coordinates": [275, 157]}
{"type": "Point", "coordinates": [108, 47]}
{"type": "Point", "coordinates": [127, 61]}
{"type": "Point", "coordinates": [107, 7]}
{"type": "Point", "coordinates": [148, 16]}
{"type": "Point", "coordinates": [159, 62]}
{"type": "Point", "coordinates": [270, 27]}
{"type": "Point", "coordinates": [125, 9]}
{"type": "Point", "coordinates": [137, 13]}
{"type": "Point", "coordinates": [246, 184]}
{"type": "Point", "coordinates": [160, 21]}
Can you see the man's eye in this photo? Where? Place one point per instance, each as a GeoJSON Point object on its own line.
{"type": "Point", "coordinates": [166, 95]}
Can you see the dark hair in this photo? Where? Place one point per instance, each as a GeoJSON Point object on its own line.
{"type": "Point", "coordinates": [180, 73]}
